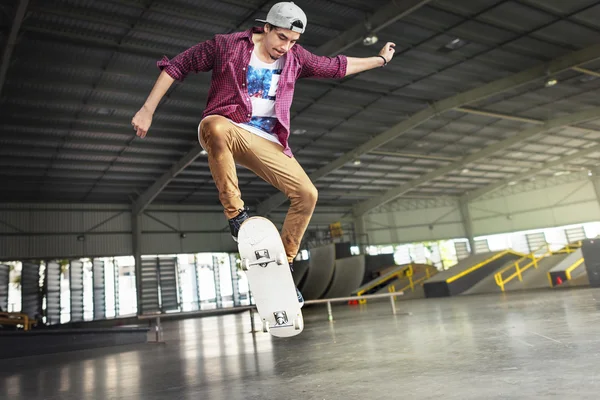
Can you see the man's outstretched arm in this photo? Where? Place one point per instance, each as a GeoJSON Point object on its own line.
{"type": "Point", "coordinates": [356, 65]}
{"type": "Point", "coordinates": [143, 118]}
{"type": "Point", "coordinates": [198, 58]}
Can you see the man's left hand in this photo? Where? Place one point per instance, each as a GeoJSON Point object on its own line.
{"type": "Point", "coordinates": [388, 51]}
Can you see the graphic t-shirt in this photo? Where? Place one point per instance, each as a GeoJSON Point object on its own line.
{"type": "Point", "coordinates": [262, 80]}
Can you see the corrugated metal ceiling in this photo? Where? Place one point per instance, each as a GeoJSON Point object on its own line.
{"type": "Point", "coordinates": [81, 69]}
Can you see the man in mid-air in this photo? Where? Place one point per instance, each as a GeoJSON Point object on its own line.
{"type": "Point", "coordinates": [247, 117]}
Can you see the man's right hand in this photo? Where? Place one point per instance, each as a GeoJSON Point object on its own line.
{"type": "Point", "coordinates": [141, 122]}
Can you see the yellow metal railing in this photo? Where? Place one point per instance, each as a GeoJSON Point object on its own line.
{"type": "Point", "coordinates": [407, 272]}
{"type": "Point", "coordinates": [573, 267]}
{"type": "Point", "coordinates": [411, 283]}
{"type": "Point", "coordinates": [523, 264]}
{"type": "Point", "coordinates": [481, 264]}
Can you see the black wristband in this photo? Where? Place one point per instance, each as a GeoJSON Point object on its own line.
{"type": "Point", "coordinates": [384, 60]}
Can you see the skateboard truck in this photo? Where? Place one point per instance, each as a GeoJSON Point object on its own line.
{"type": "Point", "coordinates": [281, 317]}
{"type": "Point", "coordinates": [263, 259]}
{"type": "Point", "coordinates": [282, 321]}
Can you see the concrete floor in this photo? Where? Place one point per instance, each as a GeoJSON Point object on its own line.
{"type": "Point", "coordinates": [543, 344]}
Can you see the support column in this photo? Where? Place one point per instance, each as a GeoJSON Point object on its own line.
{"type": "Point", "coordinates": [467, 222]}
{"type": "Point", "coordinates": [136, 242]}
{"type": "Point", "coordinates": [595, 179]}
{"type": "Point", "coordinates": [362, 236]}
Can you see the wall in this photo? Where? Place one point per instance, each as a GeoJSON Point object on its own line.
{"type": "Point", "coordinates": [533, 205]}
{"type": "Point", "coordinates": [51, 231]}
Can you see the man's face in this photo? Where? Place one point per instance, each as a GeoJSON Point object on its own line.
{"type": "Point", "coordinates": [279, 41]}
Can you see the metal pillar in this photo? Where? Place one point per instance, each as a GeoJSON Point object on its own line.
{"type": "Point", "coordinates": [467, 222]}
{"type": "Point", "coordinates": [136, 242]}
{"type": "Point", "coordinates": [360, 230]}
{"type": "Point", "coordinates": [595, 179]}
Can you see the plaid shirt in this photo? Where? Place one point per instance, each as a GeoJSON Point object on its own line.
{"type": "Point", "coordinates": [228, 57]}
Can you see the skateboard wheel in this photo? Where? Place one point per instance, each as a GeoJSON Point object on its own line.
{"type": "Point", "coordinates": [245, 264]}
{"type": "Point", "coordinates": [266, 327]}
{"type": "Point", "coordinates": [281, 259]}
{"type": "Point", "coordinates": [298, 323]}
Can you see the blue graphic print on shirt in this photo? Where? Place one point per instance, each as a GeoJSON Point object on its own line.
{"type": "Point", "coordinates": [260, 81]}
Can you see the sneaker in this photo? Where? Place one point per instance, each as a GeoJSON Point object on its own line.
{"type": "Point", "coordinates": [300, 297]}
{"type": "Point", "coordinates": [236, 222]}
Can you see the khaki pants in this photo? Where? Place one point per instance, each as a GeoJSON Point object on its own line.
{"type": "Point", "coordinates": [228, 144]}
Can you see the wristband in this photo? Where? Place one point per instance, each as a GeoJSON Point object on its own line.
{"type": "Point", "coordinates": [384, 60]}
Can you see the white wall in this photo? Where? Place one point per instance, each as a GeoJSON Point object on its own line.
{"type": "Point", "coordinates": [51, 230]}
{"type": "Point", "coordinates": [534, 205]}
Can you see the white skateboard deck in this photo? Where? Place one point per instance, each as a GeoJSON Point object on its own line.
{"type": "Point", "coordinates": [269, 277]}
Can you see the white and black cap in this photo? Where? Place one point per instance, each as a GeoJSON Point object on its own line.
{"type": "Point", "coordinates": [286, 15]}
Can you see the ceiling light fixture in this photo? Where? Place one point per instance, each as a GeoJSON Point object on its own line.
{"type": "Point", "coordinates": [551, 82]}
{"type": "Point", "coordinates": [357, 162]}
{"type": "Point", "coordinates": [452, 45]}
{"type": "Point", "coordinates": [370, 39]}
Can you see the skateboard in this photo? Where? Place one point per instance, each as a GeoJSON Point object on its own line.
{"type": "Point", "coordinates": [269, 277]}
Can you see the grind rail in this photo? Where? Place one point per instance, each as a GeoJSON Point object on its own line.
{"type": "Point", "coordinates": [252, 309]}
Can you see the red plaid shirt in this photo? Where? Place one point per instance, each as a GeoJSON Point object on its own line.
{"type": "Point", "coordinates": [228, 57]}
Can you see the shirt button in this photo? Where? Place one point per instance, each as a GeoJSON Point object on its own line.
{"type": "Point", "coordinates": [249, 115]}
{"type": "Point", "coordinates": [243, 84]}
{"type": "Point", "coordinates": [243, 69]}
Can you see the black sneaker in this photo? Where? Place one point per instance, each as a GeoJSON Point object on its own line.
{"type": "Point", "coordinates": [236, 222]}
{"type": "Point", "coordinates": [300, 297]}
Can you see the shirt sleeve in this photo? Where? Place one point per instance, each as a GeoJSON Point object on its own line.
{"type": "Point", "coordinates": [198, 58]}
{"type": "Point", "coordinates": [314, 66]}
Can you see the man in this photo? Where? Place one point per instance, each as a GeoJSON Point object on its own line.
{"type": "Point", "coordinates": [247, 117]}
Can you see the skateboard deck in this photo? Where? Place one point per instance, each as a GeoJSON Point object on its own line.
{"type": "Point", "coordinates": [269, 277]}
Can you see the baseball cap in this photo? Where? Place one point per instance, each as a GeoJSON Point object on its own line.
{"type": "Point", "coordinates": [286, 15]}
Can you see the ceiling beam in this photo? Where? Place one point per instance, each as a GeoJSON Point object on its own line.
{"type": "Point", "coordinates": [366, 206]}
{"type": "Point", "coordinates": [150, 194]}
{"type": "Point", "coordinates": [586, 71]}
{"type": "Point", "coordinates": [382, 18]}
{"type": "Point", "coordinates": [492, 114]}
{"type": "Point", "coordinates": [528, 174]}
{"type": "Point", "coordinates": [12, 41]}
{"type": "Point", "coordinates": [493, 88]}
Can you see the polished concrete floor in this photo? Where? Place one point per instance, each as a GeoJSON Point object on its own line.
{"type": "Point", "coordinates": [534, 345]}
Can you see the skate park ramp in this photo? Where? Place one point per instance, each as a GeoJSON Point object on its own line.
{"type": "Point", "coordinates": [467, 273]}
{"type": "Point", "coordinates": [569, 272]}
{"type": "Point", "coordinates": [377, 265]}
{"type": "Point", "coordinates": [412, 290]}
{"type": "Point", "coordinates": [412, 285]}
{"type": "Point", "coordinates": [347, 276]}
{"type": "Point", "coordinates": [320, 272]}
{"type": "Point", "coordinates": [399, 279]}
{"type": "Point", "coordinates": [533, 278]}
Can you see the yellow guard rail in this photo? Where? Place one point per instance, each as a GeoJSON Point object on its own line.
{"type": "Point", "coordinates": [528, 261]}
{"type": "Point", "coordinates": [411, 282]}
{"type": "Point", "coordinates": [406, 272]}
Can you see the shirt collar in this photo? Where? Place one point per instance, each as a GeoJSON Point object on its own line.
{"type": "Point", "coordinates": [253, 30]}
